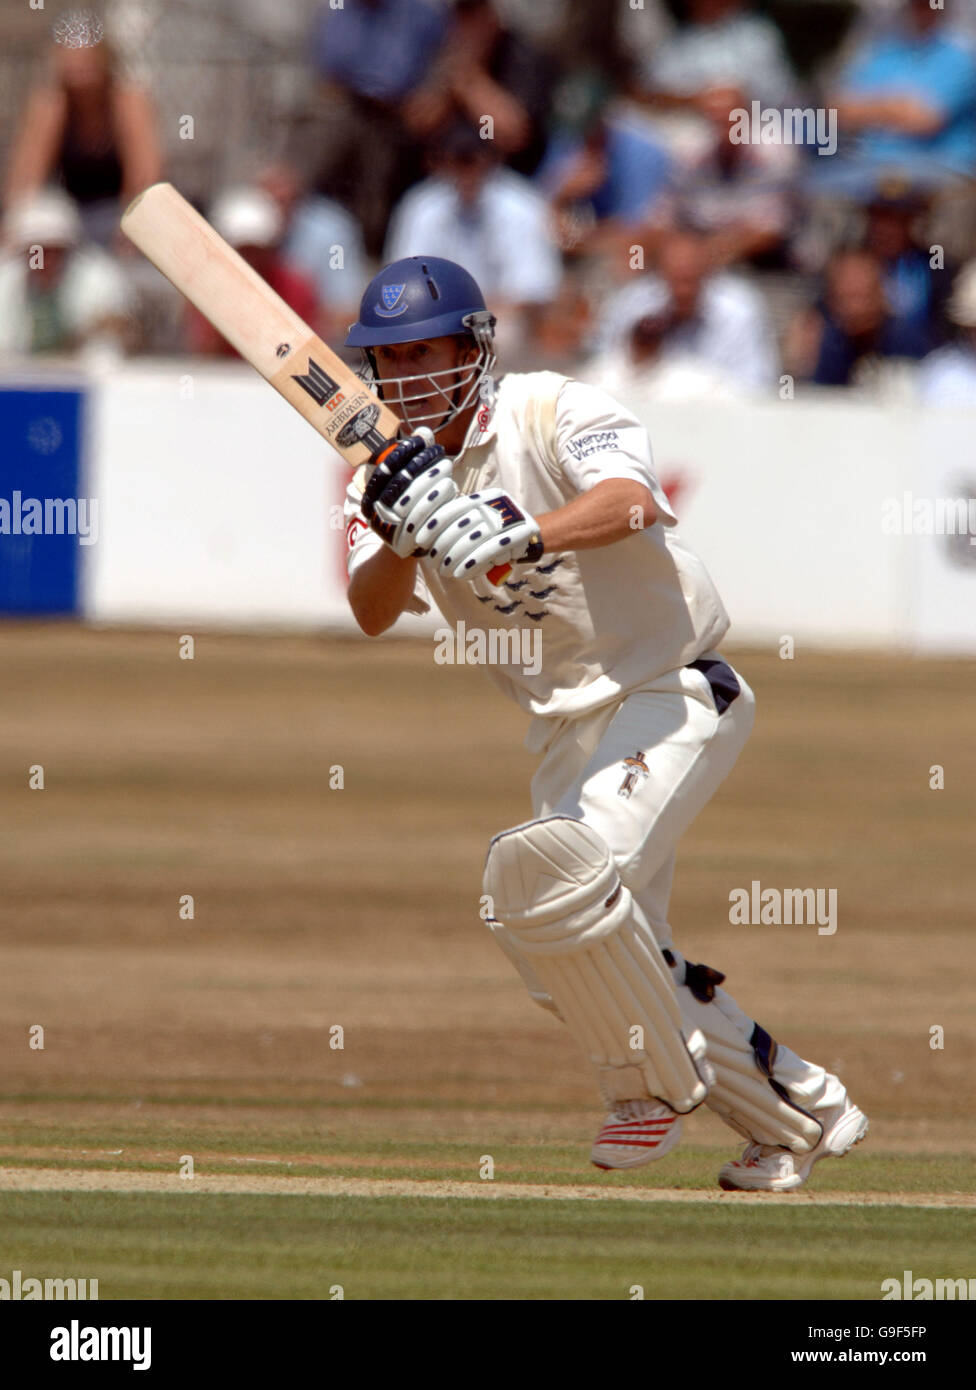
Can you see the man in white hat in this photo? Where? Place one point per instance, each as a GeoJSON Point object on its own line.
{"type": "Point", "coordinates": [56, 293]}
{"type": "Point", "coordinates": [250, 220]}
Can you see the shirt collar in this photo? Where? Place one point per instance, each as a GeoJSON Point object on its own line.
{"type": "Point", "coordinates": [482, 428]}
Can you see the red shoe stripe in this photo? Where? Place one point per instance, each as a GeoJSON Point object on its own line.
{"type": "Point", "coordinates": [626, 1124]}
{"type": "Point", "coordinates": [638, 1125]}
{"type": "Point", "coordinates": [636, 1143]}
{"type": "Point", "coordinates": [655, 1135]}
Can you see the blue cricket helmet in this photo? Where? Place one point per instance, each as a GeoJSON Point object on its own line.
{"type": "Point", "coordinates": [413, 298]}
{"type": "Point", "coordinates": [423, 297]}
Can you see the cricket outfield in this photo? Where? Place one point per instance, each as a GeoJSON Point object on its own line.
{"type": "Point", "coordinates": [368, 1099]}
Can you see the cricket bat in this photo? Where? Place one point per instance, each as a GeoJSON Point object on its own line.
{"type": "Point", "coordinates": [265, 331]}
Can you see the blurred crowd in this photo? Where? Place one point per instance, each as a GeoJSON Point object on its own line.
{"type": "Point", "coordinates": [686, 194]}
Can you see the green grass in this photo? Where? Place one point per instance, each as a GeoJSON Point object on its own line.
{"type": "Point", "coordinates": [151, 1145]}
{"type": "Point", "coordinates": [212, 1246]}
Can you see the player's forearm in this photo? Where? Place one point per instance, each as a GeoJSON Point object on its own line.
{"type": "Point", "coordinates": [609, 512]}
{"type": "Point", "coordinates": [380, 590]}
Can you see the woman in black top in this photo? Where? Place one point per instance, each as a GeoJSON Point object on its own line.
{"type": "Point", "coordinates": [90, 130]}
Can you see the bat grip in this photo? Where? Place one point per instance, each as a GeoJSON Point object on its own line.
{"type": "Point", "coordinates": [383, 452]}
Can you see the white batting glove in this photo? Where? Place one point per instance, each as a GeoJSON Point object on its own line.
{"type": "Point", "coordinates": [470, 535]}
{"type": "Point", "coordinates": [411, 483]}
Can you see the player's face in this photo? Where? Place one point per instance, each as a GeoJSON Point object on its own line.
{"type": "Point", "coordinates": [422, 360]}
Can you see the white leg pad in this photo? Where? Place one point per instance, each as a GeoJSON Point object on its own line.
{"type": "Point", "coordinates": [558, 900]}
{"type": "Point", "coordinates": [753, 1074]}
{"type": "Point", "coordinates": [529, 978]}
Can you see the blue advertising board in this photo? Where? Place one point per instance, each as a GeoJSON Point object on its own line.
{"type": "Point", "coordinates": [44, 521]}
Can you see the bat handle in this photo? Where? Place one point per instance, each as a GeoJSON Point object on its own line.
{"type": "Point", "coordinates": [383, 452]}
{"type": "Point", "coordinates": [498, 573]}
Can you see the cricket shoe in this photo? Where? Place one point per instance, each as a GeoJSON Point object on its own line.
{"type": "Point", "coordinates": [635, 1132]}
{"type": "Point", "coordinates": [764, 1168]}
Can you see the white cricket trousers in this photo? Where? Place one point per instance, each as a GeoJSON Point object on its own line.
{"type": "Point", "coordinates": [689, 747]}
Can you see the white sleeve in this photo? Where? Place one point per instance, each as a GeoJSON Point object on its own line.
{"type": "Point", "coordinates": [362, 543]}
{"type": "Point", "coordinates": [597, 439]}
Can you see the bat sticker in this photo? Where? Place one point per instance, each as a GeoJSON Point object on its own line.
{"type": "Point", "coordinates": [358, 427]}
{"type": "Point", "coordinates": [319, 385]}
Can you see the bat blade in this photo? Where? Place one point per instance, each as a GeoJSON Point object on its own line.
{"type": "Point", "coordinates": [258, 323]}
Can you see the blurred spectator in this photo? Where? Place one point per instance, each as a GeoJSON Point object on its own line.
{"type": "Point", "coordinates": [948, 377]}
{"type": "Point", "coordinates": [484, 69]}
{"type": "Point", "coordinates": [487, 218]}
{"type": "Point", "coordinates": [640, 32]}
{"type": "Point", "coordinates": [723, 57]}
{"type": "Point", "coordinates": [562, 327]}
{"type": "Point", "coordinates": [686, 314]}
{"type": "Point", "coordinates": [909, 96]}
{"type": "Point", "coordinates": [324, 242]}
{"type": "Point", "coordinates": [914, 291]}
{"type": "Point", "coordinates": [370, 55]}
{"type": "Point", "coordinates": [603, 177]}
{"type": "Point", "coordinates": [830, 343]}
{"type": "Point", "coordinates": [379, 49]}
{"type": "Point", "coordinates": [89, 129]}
{"type": "Point", "coordinates": [56, 294]}
{"type": "Point", "coordinates": [249, 219]}
{"type": "Point", "coordinates": [658, 368]}
{"type": "Point", "coordinates": [741, 196]}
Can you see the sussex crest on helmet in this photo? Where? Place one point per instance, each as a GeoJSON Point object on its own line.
{"type": "Point", "coordinates": [391, 296]}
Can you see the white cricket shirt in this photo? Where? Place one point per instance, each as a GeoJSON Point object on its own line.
{"type": "Point", "coordinates": [611, 619]}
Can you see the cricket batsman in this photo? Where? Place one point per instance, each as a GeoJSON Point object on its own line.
{"type": "Point", "coordinates": [534, 501]}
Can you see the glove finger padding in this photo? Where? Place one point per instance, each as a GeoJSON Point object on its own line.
{"type": "Point", "coordinates": [491, 529]}
{"type": "Point", "coordinates": [445, 516]}
{"type": "Point", "coordinates": [409, 499]}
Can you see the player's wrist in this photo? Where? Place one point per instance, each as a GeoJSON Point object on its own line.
{"type": "Point", "coordinates": [534, 551]}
